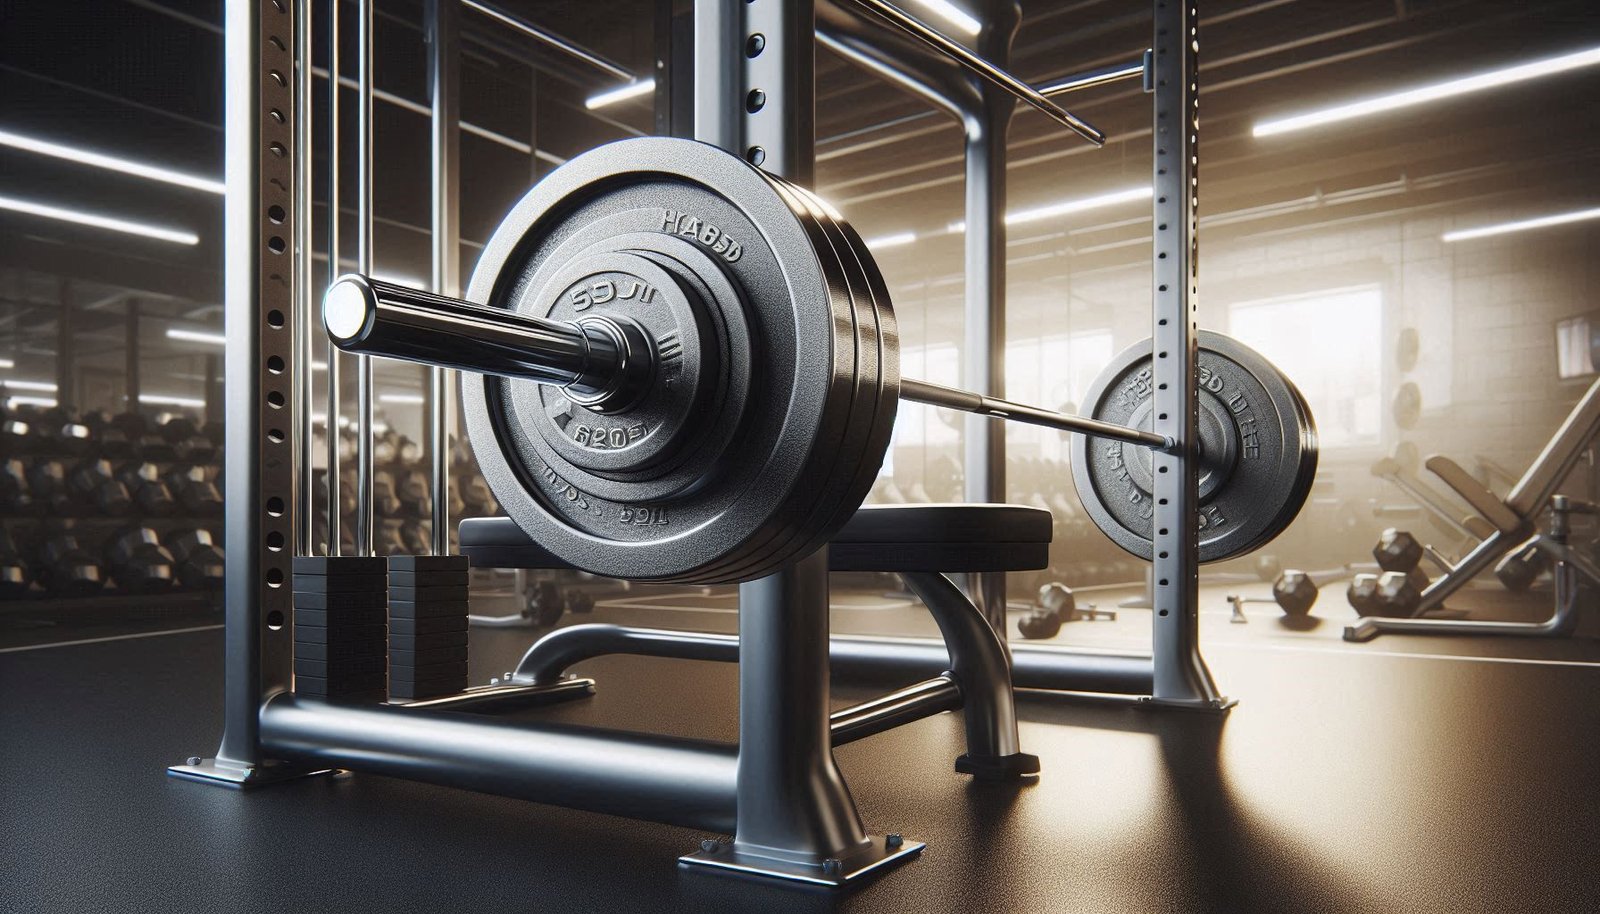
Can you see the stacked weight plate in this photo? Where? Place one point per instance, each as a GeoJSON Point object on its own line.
{"type": "Point", "coordinates": [340, 612]}
{"type": "Point", "coordinates": [427, 625]}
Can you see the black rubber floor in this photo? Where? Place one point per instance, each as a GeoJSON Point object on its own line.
{"type": "Point", "coordinates": [1374, 778]}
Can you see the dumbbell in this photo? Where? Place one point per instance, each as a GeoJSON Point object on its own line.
{"type": "Point", "coordinates": [15, 581]}
{"type": "Point", "coordinates": [94, 485]}
{"type": "Point", "coordinates": [199, 558]}
{"type": "Point", "coordinates": [111, 439]}
{"type": "Point", "coordinates": [193, 489]}
{"type": "Point", "coordinates": [188, 444]}
{"type": "Point", "coordinates": [1521, 568]}
{"type": "Point", "coordinates": [1393, 593]}
{"type": "Point", "coordinates": [1039, 624]}
{"type": "Point", "coordinates": [18, 436]}
{"type": "Point", "coordinates": [1058, 598]}
{"type": "Point", "coordinates": [1295, 592]}
{"type": "Point", "coordinates": [47, 485]}
{"type": "Point", "coordinates": [65, 569]}
{"type": "Point", "coordinates": [384, 501]}
{"type": "Point", "coordinates": [15, 497]}
{"type": "Point", "coordinates": [151, 497]}
{"type": "Point", "coordinates": [411, 489]}
{"type": "Point", "coordinates": [139, 563]}
{"type": "Point", "coordinates": [545, 605]}
{"type": "Point", "coordinates": [1397, 550]}
{"type": "Point", "coordinates": [477, 500]}
{"type": "Point", "coordinates": [417, 536]}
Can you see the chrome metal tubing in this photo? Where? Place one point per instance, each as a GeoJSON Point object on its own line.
{"type": "Point", "coordinates": [444, 92]}
{"type": "Point", "coordinates": [983, 68]}
{"type": "Point", "coordinates": [334, 374]}
{"type": "Point", "coordinates": [858, 658]}
{"type": "Point", "coordinates": [912, 703]}
{"type": "Point", "coordinates": [996, 408]}
{"type": "Point", "coordinates": [677, 781]}
{"type": "Point", "coordinates": [364, 392]}
{"type": "Point", "coordinates": [303, 430]}
{"type": "Point", "coordinates": [379, 318]}
{"type": "Point", "coordinates": [1091, 78]}
{"type": "Point", "coordinates": [551, 39]}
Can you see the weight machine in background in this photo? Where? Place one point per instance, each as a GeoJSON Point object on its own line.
{"type": "Point", "coordinates": [765, 793]}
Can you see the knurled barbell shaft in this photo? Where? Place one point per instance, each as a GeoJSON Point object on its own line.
{"type": "Point", "coordinates": [590, 358]}
{"type": "Point", "coordinates": [968, 402]}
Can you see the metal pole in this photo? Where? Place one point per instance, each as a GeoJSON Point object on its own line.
{"type": "Point", "coordinates": [303, 430]}
{"type": "Point", "coordinates": [1181, 676]}
{"type": "Point", "coordinates": [984, 352]}
{"type": "Point", "coordinates": [445, 95]}
{"type": "Point", "coordinates": [258, 475]}
{"type": "Point", "coordinates": [132, 382]}
{"type": "Point", "coordinates": [1091, 78]}
{"type": "Point", "coordinates": [364, 518]}
{"type": "Point", "coordinates": [335, 376]}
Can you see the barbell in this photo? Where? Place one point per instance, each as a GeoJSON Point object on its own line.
{"type": "Point", "coordinates": [682, 368]}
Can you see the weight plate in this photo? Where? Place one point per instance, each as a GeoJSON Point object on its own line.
{"type": "Point", "coordinates": [1258, 451]}
{"type": "Point", "coordinates": [752, 484]}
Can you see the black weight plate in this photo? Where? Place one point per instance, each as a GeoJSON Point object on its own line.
{"type": "Point", "coordinates": [799, 385]}
{"type": "Point", "coordinates": [836, 491]}
{"type": "Point", "coordinates": [1256, 469]}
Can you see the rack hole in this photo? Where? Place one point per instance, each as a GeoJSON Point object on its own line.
{"type": "Point", "coordinates": [1163, 582]}
{"type": "Point", "coordinates": [755, 101]}
{"type": "Point", "coordinates": [755, 44]}
{"type": "Point", "coordinates": [756, 155]}
{"type": "Point", "coordinates": [1163, 532]}
{"type": "Point", "coordinates": [275, 399]}
{"type": "Point", "coordinates": [276, 115]}
{"type": "Point", "coordinates": [275, 435]}
{"type": "Point", "coordinates": [278, 78]}
{"type": "Point", "coordinates": [275, 364]}
{"type": "Point", "coordinates": [275, 540]}
{"type": "Point", "coordinates": [1163, 612]}
{"type": "Point", "coordinates": [275, 506]}
{"type": "Point", "coordinates": [276, 214]}
{"type": "Point", "coordinates": [278, 149]}
{"type": "Point", "coordinates": [1161, 555]}
{"type": "Point", "coordinates": [277, 245]}
{"type": "Point", "coordinates": [275, 620]}
{"type": "Point", "coordinates": [274, 577]}
{"type": "Point", "coordinates": [275, 319]}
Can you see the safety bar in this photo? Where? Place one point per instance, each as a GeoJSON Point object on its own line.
{"type": "Point", "coordinates": [982, 68]}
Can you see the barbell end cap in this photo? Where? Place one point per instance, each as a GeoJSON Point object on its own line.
{"type": "Point", "coordinates": [348, 308]}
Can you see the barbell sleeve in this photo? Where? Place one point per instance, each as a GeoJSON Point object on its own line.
{"type": "Point", "coordinates": [591, 359]}
{"type": "Point", "coordinates": [968, 402]}
{"type": "Point", "coordinates": [599, 362]}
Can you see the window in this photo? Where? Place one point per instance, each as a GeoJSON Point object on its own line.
{"type": "Point", "coordinates": [1331, 345]}
{"type": "Point", "coordinates": [1053, 372]}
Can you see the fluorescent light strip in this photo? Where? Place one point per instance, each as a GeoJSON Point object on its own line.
{"type": "Point", "coordinates": [1066, 207]}
{"type": "Point", "coordinates": [1434, 92]}
{"type": "Point", "coordinates": [1524, 225]}
{"type": "Point", "coordinates": [106, 222]}
{"type": "Point", "coordinates": [166, 400]}
{"type": "Point", "coordinates": [45, 402]}
{"type": "Point", "coordinates": [891, 241]}
{"type": "Point", "coordinates": [196, 336]}
{"type": "Point", "coordinates": [110, 163]}
{"type": "Point", "coordinates": [953, 14]}
{"type": "Point", "coordinates": [621, 93]}
{"type": "Point", "coordinates": [7, 363]}
{"type": "Point", "coordinates": [44, 387]}
{"type": "Point", "coordinates": [401, 398]}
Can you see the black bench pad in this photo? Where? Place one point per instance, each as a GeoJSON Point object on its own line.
{"type": "Point", "coordinates": [939, 538]}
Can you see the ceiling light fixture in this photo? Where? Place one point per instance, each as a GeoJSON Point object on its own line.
{"type": "Point", "coordinates": [169, 400]}
{"type": "Point", "coordinates": [44, 387]}
{"type": "Point", "coordinates": [109, 162]}
{"type": "Point", "coordinates": [891, 241]}
{"type": "Point", "coordinates": [1417, 96]}
{"type": "Point", "coordinates": [196, 336]}
{"type": "Point", "coordinates": [1067, 207]}
{"type": "Point", "coordinates": [80, 217]}
{"type": "Point", "coordinates": [401, 398]}
{"type": "Point", "coordinates": [1522, 225]}
{"type": "Point", "coordinates": [620, 93]}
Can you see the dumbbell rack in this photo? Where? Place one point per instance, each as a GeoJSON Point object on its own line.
{"type": "Point", "coordinates": [777, 791]}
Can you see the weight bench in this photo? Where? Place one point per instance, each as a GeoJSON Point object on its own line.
{"type": "Point", "coordinates": [923, 543]}
{"type": "Point", "coordinates": [1512, 520]}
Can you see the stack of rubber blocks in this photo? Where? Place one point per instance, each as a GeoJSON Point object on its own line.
{"type": "Point", "coordinates": [427, 625]}
{"type": "Point", "coordinates": [340, 623]}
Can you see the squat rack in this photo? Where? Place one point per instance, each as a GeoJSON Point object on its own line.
{"type": "Point", "coordinates": [778, 791]}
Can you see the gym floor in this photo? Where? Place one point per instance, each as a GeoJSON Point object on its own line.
{"type": "Point", "coordinates": [1408, 774]}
